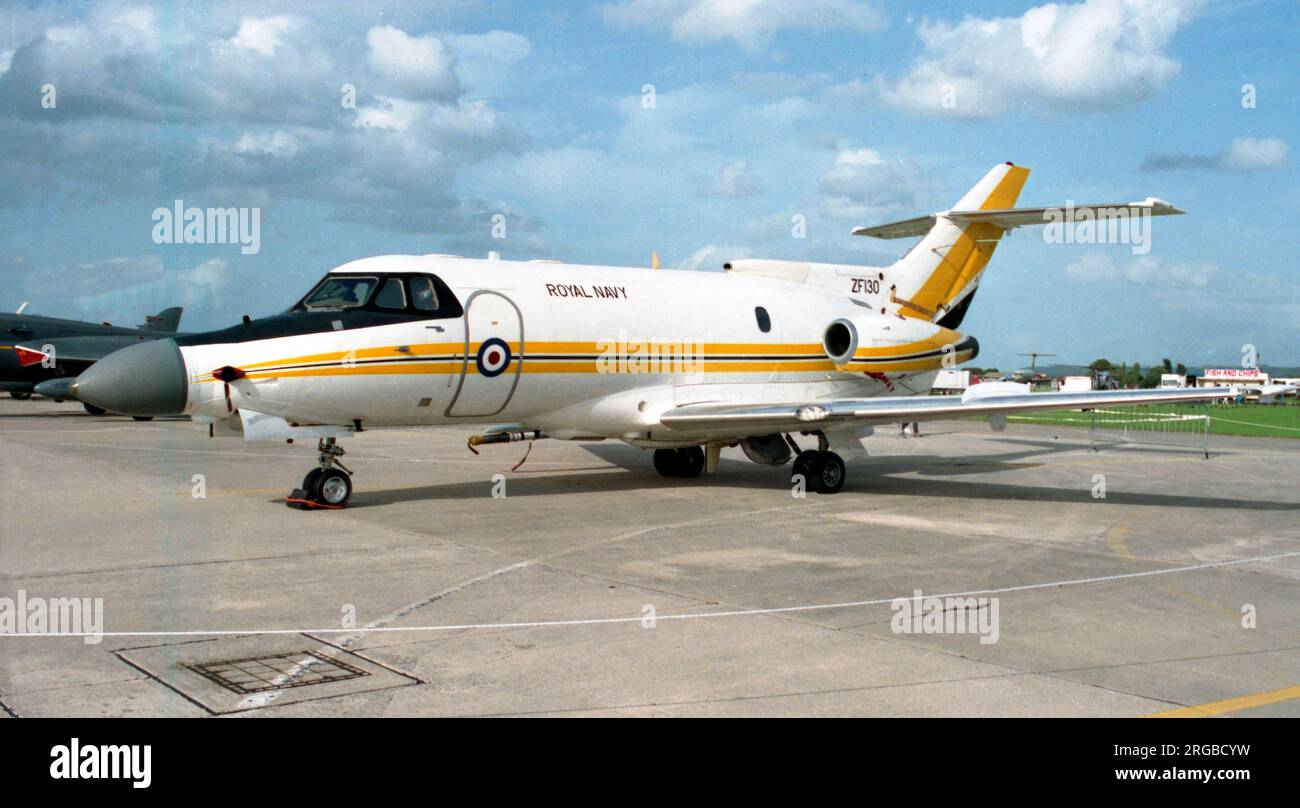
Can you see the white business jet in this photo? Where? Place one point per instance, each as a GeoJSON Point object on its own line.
{"type": "Point", "coordinates": [683, 363]}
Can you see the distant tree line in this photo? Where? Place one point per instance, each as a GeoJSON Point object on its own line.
{"type": "Point", "coordinates": [1124, 374]}
{"type": "Point", "coordinates": [1132, 375]}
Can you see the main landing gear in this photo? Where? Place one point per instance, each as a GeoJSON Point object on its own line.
{"type": "Point", "coordinates": [687, 462]}
{"type": "Point", "coordinates": [823, 471]}
{"type": "Point", "coordinates": [328, 486]}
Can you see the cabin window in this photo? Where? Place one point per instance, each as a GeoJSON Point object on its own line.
{"type": "Point", "coordinates": [764, 321]}
{"type": "Point", "coordinates": [423, 295]}
{"type": "Point", "coordinates": [392, 295]}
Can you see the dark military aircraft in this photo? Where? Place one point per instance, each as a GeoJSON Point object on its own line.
{"type": "Point", "coordinates": [49, 352]}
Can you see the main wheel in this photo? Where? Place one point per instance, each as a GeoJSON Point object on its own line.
{"type": "Point", "coordinates": [92, 409]}
{"type": "Point", "coordinates": [142, 417]}
{"type": "Point", "coordinates": [332, 488]}
{"type": "Point", "coordinates": [21, 396]}
{"type": "Point", "coordinates": [802, 464]}
{"type": "Point", "coordinates": [826, 473]}
{"type": "Point", "coordinates": [687, 462]}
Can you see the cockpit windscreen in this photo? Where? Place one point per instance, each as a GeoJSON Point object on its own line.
{"type": "Point", "coordinates": [340, 292]}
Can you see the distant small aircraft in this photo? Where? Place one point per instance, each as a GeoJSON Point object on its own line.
{"type": "Point", "coordinates": [1266, 393]}
{"type": "Point", "coordinates": [683, 363]}
{"type": "Point", "coordinates": [53, 351]}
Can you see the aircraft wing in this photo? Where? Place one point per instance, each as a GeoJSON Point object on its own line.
{"type": "Point", "coordinates": [72, 353]}
{"type": "Point", "coordinates": [1010, 218]}
{"type": "Point", "coordinates": [990, 398]}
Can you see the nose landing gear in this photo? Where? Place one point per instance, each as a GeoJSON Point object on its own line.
{"type": "Point", "coordinates": [328, 486]}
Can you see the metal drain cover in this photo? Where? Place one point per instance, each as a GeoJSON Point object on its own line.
{"type": "Point", "coordinates": [251, 672]}
{"type": "Point", "coordinates": [276, 671]}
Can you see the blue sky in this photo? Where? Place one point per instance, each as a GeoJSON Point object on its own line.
{"type": "Point", "coordinates": [828, 109]}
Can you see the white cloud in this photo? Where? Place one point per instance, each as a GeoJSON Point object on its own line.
{"type": "Point", "coordinates": [1096, 54]}
{"type": "Point", "coordinates": [750, 23]}
{"type": "Point", "coordinates": [262, 34]}
{"type": "Point", "coordinates": [862, 184]}
{"type": "Point", "coordinates": [127, 287]}
{"type": "Point", "coordinates": [485, 63]}
{"type": "Point", "coordinates": [276, 144]}
{"type": "Point", "coordinates": [395, 114]}
{"type": "Point", "coordinates": [411, 66]}
{"type": "Point", "coordinates": [1146, 270]}
{"type": "Point", "coordinates": [1254, 154]}
{"type": "Point", "coordinates": [1246, 154]}
{"type": "Point", "coordinates": [735, 181]}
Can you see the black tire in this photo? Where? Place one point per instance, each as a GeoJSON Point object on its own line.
{"type": "Point", "coordinates": [92, 409]}
{"type": "Point", "coordinates": [142, 417]}
{"type": "Point", "coordinates": [802, 464]}
{"type": "Point", "coordinates": [21, 396]}
{"type": "Point", "coordinates": [309, 482]}
{"type": "Point", "coordinates": [333, 488]}
{"type": "Point", "coordinates": [827, 473]}
{"type": "Point", "coordinates": [679, 462]}
{"type": "Point", "coordinates": [692, 461]}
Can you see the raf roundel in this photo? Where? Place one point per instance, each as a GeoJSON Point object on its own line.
{"type": "Point", "coordinates": [493, 357]}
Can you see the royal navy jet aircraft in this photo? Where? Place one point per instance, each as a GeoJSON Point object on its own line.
{"type": "Point", "coordinates": [52, 351]}
{"type": "Point", "coordinates": [682, 363]}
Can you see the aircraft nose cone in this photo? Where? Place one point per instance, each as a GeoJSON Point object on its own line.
{"type": "Point", "coordinates": [55, 388]}
{"type": "Point", "coordinates": [144, 379]}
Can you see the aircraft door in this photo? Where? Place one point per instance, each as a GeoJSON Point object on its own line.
{"type": "Point", "coordinates": [493, 355]}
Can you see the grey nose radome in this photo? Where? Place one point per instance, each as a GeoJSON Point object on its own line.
{"type": "Point", "coordinates": [144, 379]}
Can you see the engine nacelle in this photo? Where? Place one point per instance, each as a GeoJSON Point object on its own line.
{"type": "Point", "coordinates": [766, 450]}
{"type": "Point", "coordinates": [884, 344]}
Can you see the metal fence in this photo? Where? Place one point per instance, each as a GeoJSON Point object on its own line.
{"type": "Point", "coordinates": [1181, 427]}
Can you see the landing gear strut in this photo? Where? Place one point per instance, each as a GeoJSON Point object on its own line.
{"type": "Point", "coordinates": [327, 486]}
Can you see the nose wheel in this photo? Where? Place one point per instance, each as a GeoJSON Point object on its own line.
{"type": "Point", "coordinates": [328, 486]}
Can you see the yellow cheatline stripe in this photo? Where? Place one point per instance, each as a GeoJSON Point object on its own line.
{"type": "Point", "coordinates": [439, 358]}
{"type": "Point", "coordinates": [932, 342]}
{"type": "Point", "coordinates": [1231, 705]}
{"type": "Point", "coordinates": [533, 347]}
{"type": "Point", "coordinates": [586, 367]}
{"type": "Point", "coordinates": [361, 353]}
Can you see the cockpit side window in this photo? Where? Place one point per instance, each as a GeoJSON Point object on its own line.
{"type": "Point", "coordinates": [423, 294]}
{"type": "Point", "coordinates": [340, 292]}
{"type": "Point", "coordinates": [391, 296]}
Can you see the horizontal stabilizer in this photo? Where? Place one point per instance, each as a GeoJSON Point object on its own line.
{"type": "Point", "coordinates": [1010, 218]}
